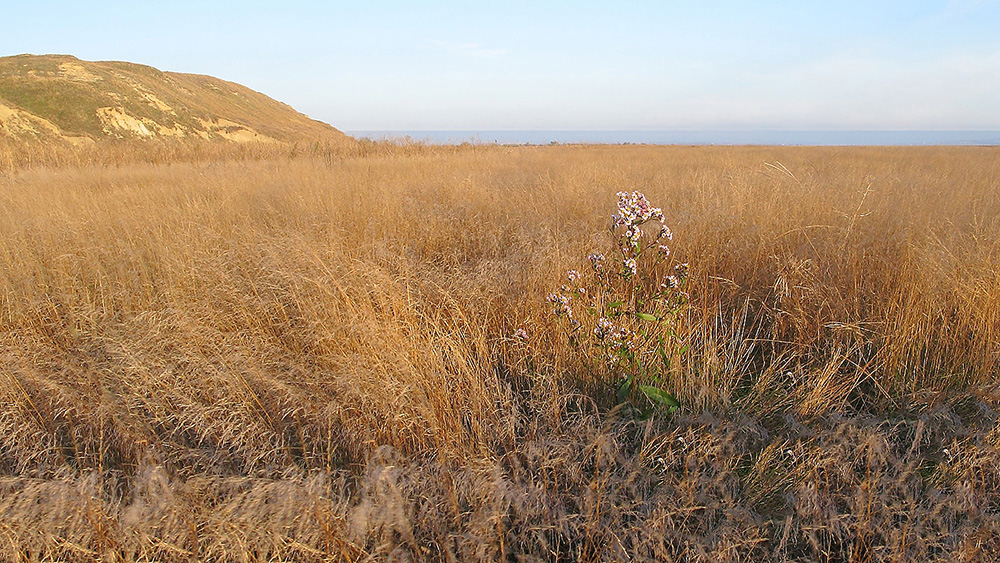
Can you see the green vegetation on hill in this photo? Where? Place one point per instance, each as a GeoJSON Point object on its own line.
{"type": "Point", "coordinates": [71, 106]}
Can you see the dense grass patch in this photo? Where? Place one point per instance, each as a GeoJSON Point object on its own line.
{"type": "Point", "coordinates": [309, 355]}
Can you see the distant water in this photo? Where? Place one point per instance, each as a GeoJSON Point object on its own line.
{"type": "Point", "coordinates": [827, 138]}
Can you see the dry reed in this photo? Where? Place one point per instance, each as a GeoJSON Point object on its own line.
{"type": "Point", "coordinates": [307, 355]}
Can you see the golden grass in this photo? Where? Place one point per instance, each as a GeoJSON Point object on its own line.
{"type": "Point", "coordinates": [279, 354]}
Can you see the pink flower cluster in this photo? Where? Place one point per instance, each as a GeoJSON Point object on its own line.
{"type": "Point", "coordinates": [630, 266]}
{"type": "Point", "coordinates": [634, 209]}
{"type": "Point", "coordinates": [611, 334]}
{"type": "Point", "coordinates": [561, 300]}
{"type": "Point", "coordinates": [626, 292]}
{"type": "Point", "coordinates": [561, 303]}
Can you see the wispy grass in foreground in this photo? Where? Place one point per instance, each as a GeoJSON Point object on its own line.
{"type": "Point", "coordinates": [309, 356]}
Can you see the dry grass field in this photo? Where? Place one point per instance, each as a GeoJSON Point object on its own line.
{"type": "Point", "coordinates": [308, 355]}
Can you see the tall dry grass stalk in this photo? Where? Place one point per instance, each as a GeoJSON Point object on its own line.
{"type": "Point", "coordinates": [307, 355]}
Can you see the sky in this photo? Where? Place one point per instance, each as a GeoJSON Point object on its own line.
{"type": "Point", "coordinates": [579, 65]}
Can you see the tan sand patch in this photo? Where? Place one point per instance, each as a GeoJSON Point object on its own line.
{"type": "Point", "coordinates": [78, 141]}
{"type": "Point", "coordinates": [156, 102]}
{"type": "Point", "coordinates": [76, 73]}
{"type": "Point", "coordinates": [232, 131]}
{"type": "Point", "coordinates": [177, 130]}
{"type": "Point", "coordinates": [152, 99]}
{"type": "Point", "coordinates": [16, 122]}
{"type": "Point", "coordinates": [117, 120]}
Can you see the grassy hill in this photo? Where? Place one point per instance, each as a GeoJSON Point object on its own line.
{"type": "Point", "coordinates": [59, 97]}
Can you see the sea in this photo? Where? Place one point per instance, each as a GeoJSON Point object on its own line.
{"type": "Point", "coordinates": [693, 137]}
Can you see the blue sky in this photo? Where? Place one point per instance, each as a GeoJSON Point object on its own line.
{"type": "Point", "coordinates": [478, 64]}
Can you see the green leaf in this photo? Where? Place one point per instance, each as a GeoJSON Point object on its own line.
{"type": "Point", "coordinates": [660, 397]}
{"type": "Point", "coordinates": [625, 389]}
{"type": "Point", "coordinates": [647, 317]}
{"type": "Point", "coordinates": [663, 357]}
{"type": "Point", "coordinates": [615, 304]}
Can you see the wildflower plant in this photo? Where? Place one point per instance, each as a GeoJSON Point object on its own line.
{"type": "Point", "coordinates": [624, 316]}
